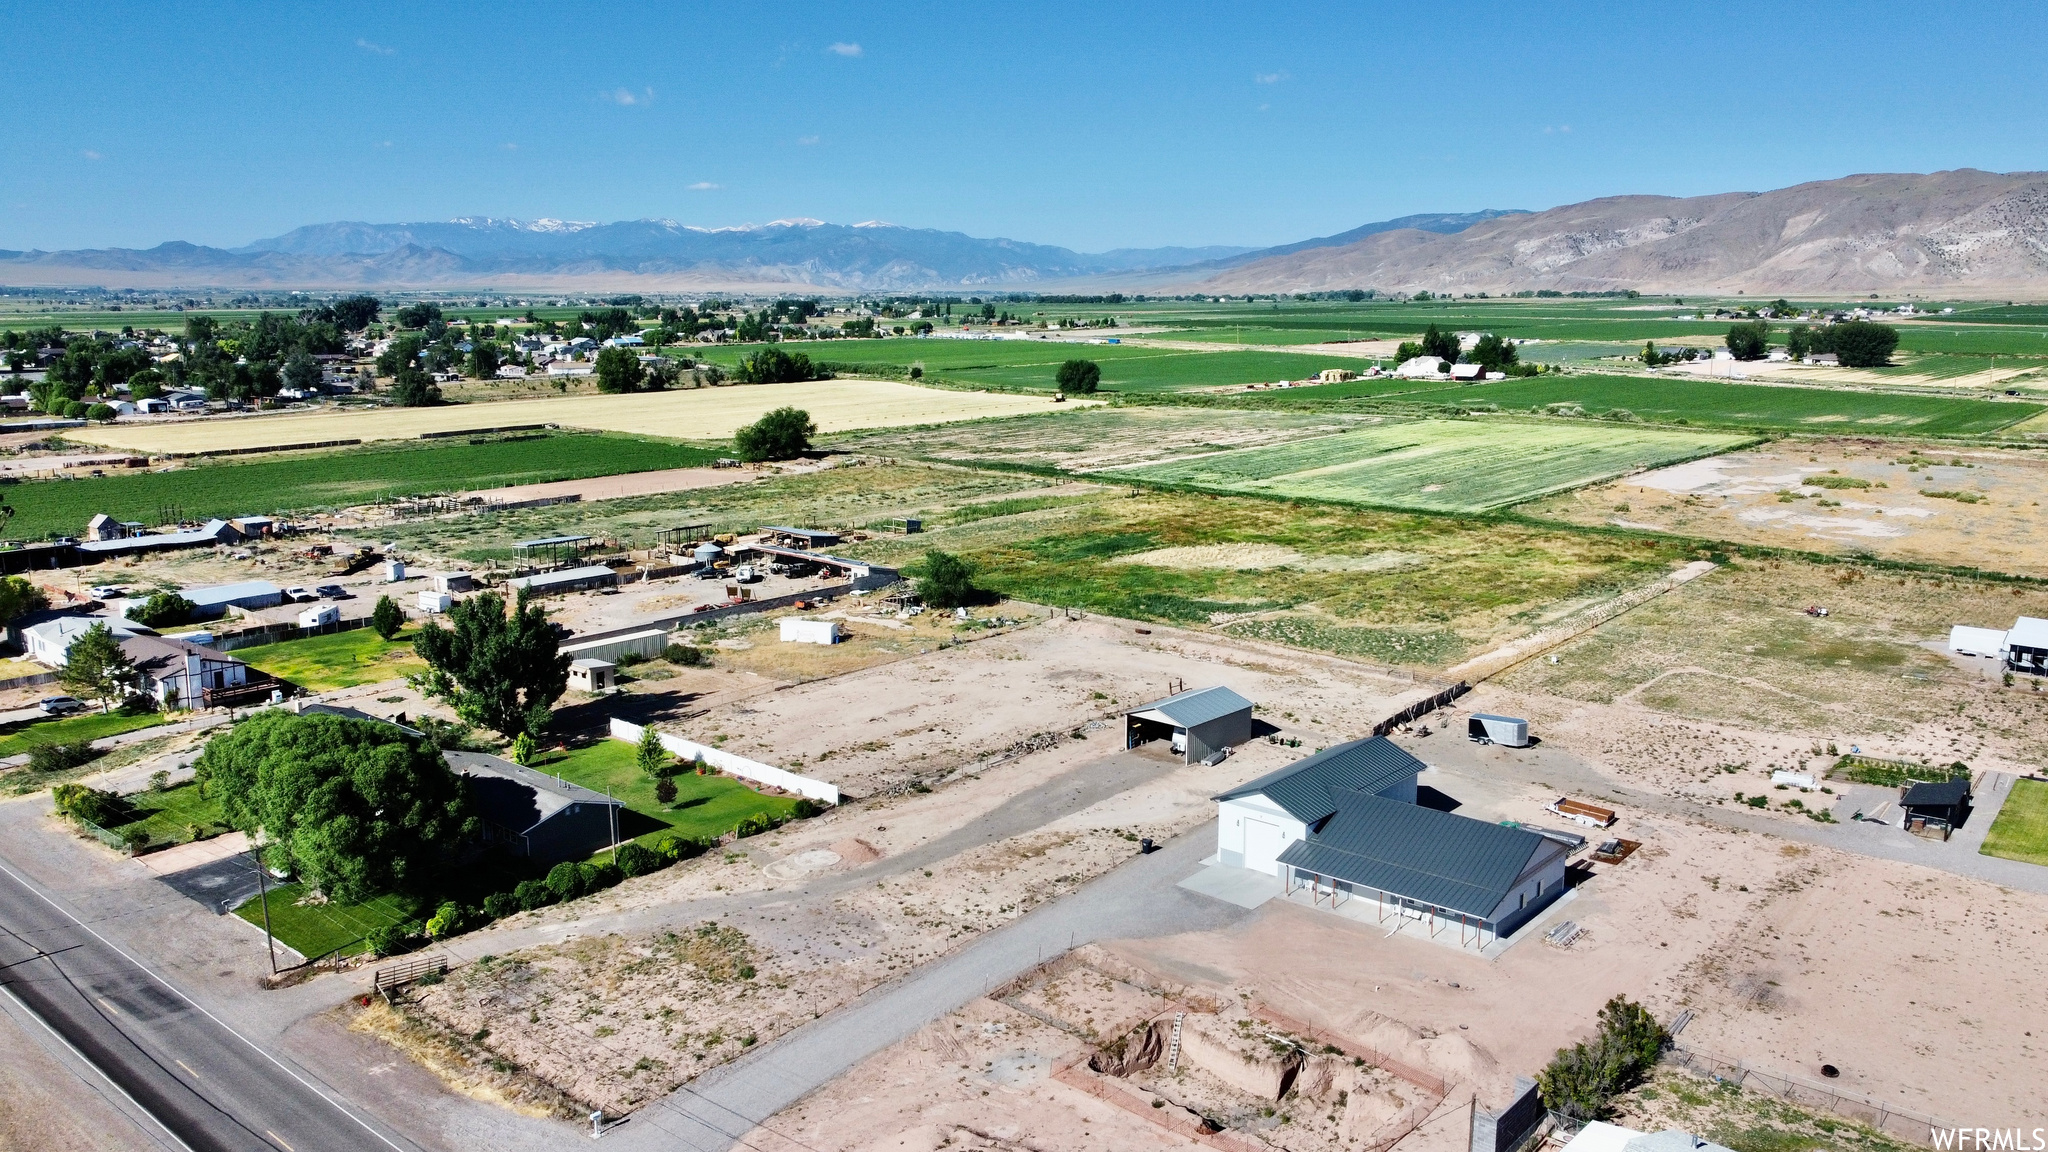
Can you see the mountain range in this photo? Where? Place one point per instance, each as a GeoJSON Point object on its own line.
{"type": "Point", "coordinates": [1946, 233]}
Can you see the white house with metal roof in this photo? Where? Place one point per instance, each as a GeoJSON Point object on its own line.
{"type": "Point", "coordinates": [1198, 725]}
{"type": "Point", "coordinates": [2026, 645]}
{"type": "Point", "coordinates": [1345, 825]}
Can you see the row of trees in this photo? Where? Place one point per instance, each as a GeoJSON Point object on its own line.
{"type": "Point", "coordinates": [1855, 343]}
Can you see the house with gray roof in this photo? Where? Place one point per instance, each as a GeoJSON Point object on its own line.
{"type": "Point", "coordinates": [1198, 725]}
{"type": "Point", "coordinates": [1345, 824]}
{"type": "Point", "coordinates": [534, 814]}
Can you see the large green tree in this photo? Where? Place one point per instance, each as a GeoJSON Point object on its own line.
{"type": "Point", "coordinates": [353, 807]}
{"type": "Point", "coordinates": [1436, 342]}
{"type": "Point", "coordinates": [18, 595]}
{"type": "Point", "coordinates": [1750, 341]}
{"type": "Point", "coordinates": [783, 434]}
{"type": "Point", "coordinates": [413, 388]}
{"type": "Point", "coordinates": [1080, 377]}
{"type": "Point", "coordinates": [501, 670]}
{"type": "Point", "coordinates": [618, 370]}
{"type": "Point", "coordinates": [774, 366]}
{"type": "Point", "coordinates": [96, 668]}
{"type": "Point", "coordinates": [1859, 343]}
{"type": "Point", "coordinates": [947, 581]}
{"type": "Point", "coordinates": [1493, 353]}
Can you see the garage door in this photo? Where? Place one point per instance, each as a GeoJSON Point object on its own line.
{"type": "Point", "coordinates": [1262, 846]}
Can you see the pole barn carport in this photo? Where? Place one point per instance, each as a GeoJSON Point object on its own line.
{"type": "Point", "coordinates": [1200, 724]}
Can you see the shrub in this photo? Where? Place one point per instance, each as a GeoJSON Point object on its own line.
{"type": "Point", "coordinates": [565, 881]}
{"type": "Point", "coordinates": [524, 749]}
{"type": "Point", "coordinates": [102, 413]}
{"type": "Point", "coordinates": [159, 781]}
{"type": "Point", "coordinates": [688, 654]}
{"type": "Point", "coordinates": [387, 617]}
{"type": "Point", "coordinates": [387, 940]}
{"type": "Point", "coordinates": [947, 581]}
{"type": "Point", "coordinates": [805, 809]}
{"type": "Point", "coordinates": [665, 790]}
{"type": "Point", "coordinates": [163, 609]}
{"type": "Point", "coordinates": [91, 805]}
{"type": "Point", "coordinates": [1581, 1080]}
{"type": "Point", "coordinates": [678, 847]}
{"type": "Point", "coordinates": [1080, 377]}
{"type": "Point", "coordinates": [782, 434]}
{"type": "Point", "coordinates": [58, 757]}
{"type": "Point", "coordinates": [598, 877]}
{"type": "Point", "coordinates": [532, 894]}
{"type": "Point", "coordinates": [450, 919]}
{"type": "Point", "coordinates": [136, 839]}
{"type": "Point", "coordinates": [499, 905]}
{"type": "Point", "coordinates": [633, 860]}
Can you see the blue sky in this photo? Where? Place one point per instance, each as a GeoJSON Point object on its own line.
{"type": "Point", "coordinates": [1093, 126]}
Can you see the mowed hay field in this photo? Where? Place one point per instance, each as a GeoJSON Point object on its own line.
{"type": "Point", "coordinates": [1438, 465]}
{"type": "Point", "coordinates": [694, 414]}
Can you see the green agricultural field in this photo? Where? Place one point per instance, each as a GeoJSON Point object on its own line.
{"type": "Point", "coordinates": [1715, 403]}
{"type": "Point", "coordinates": [2021, 830]}
{"type": "Point", "coordinates": [172, 817]}
{"type": "Point", "coordinates": [1438, 465]}
{"type": "Point", "coordinates": [705, 806]}
{"type": "Point", "coordinates": [336, 660]}
{"type": "Point", "coordinates": [299, 481]}
{"type": "Point", "coordinates": [1029, 365]}
{"type": "Point", "coordinates": [20, 738]}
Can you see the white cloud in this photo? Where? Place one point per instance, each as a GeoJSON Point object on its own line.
{"type": "Point", "coordinates": [807, 140]}
{"type": "Point", "coordinates": [384, 144]}
{"type": "Point", "coordinates": [379, 49]}
{"type": "Point", "coordinates": [844, 49]}
{"type": "Point", "coordinates": [704, 186]}
{"type": "Point", "coordinates": [510, 147]}
{"type": "Point", "coordinates": [1564, 128]}
{"type": "Point", "coordinates": [89, 154]}
{"type": "Point", "coordinates": [1271, 77]}
{"type": "Point", "coordinates": [627, 98]}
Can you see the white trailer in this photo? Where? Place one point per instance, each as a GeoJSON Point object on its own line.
{"type": "Point", "coordinates": [1506, 731]}
{"type": "Point", "coordinates": [319, 616]}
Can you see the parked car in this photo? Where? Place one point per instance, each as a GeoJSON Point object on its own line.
{"type": "Point", "coordinates": [59, 705]}
{"type": "Point", "coordinates": [299, 595]}
{"type": "Point", "coordinates": [106, 592]}
{"type": "Point", "coordinates": [333, 591]}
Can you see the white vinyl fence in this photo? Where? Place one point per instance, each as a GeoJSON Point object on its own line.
{"type": "Point", "coordinates": [734, 765]}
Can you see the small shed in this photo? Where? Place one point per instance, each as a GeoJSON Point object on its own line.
{"type": "Point", "coordinates": [534, 814]}
{"type": "Point", "coordinates": [801, 537]}
{"type": "Point", "coordinates": [1199, 724]}
{"type": "Point", "coordinates": [2026, 646]}
{"type": "Point", "coordinates": [453, 582]}
{"type": "Point", "coordinates": [1946, 802]}
{"type": "Point", "coordinates": [432, 601]}
{"type": "Point", "coordinates": [588, 675]}
{"type": "Point", "coordinates": [797, 630]}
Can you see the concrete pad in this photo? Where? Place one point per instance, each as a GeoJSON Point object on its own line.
{"type": "Point", "coordinates": [1239, 886]}
{"type": "Point", "coordinates": [197, 854]}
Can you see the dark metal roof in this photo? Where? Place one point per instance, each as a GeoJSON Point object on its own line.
{"type": "Point", "coordinates": [1453, 862]}
{"type": "Point", "coordinates": [1309, 788]}
{"type": "Point", "coordinates": [1198, 707]}
{"type": "Point", "coordinates": [1945, 794]}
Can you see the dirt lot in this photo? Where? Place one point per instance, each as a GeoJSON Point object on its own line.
{"type": "Point", "coordinates": [1736, 650]}
{"type": "Point", "coordinates": [1844, 496]}
{"type": "Point", "coordinates": [1789, 956]}
{"type": "Point", "coordinates": [696, 414]}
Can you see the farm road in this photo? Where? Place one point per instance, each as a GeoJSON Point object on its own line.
{"type": "Point", "coordinates": [1136, 900]}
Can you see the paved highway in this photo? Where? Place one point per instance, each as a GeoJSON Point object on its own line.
{"type": "Point", "coordinates": [206, 1086]}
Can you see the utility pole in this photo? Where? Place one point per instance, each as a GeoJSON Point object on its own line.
{"type": "Point", "coordinates": [263, 885]}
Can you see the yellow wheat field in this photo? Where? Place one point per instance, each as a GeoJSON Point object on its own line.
{"type": "Point", "coordinates": [696, 414]}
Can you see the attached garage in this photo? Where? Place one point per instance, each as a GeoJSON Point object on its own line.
{"type": "Point", "coordinates": [1257, 821]}
{"type": "Point", "coordinates": [1198, 725]}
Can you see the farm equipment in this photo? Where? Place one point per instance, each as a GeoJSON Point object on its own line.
{"type": "Point", "coordinates": [362, 561]}
{"type": "Point", "coordinates": [1816, 610]}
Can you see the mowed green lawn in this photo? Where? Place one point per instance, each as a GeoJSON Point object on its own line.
{"type": "Point", "coordinates": [2021, 830]}
{"type": "Point", "coordinates": [89, 726]}
{"type": "Point", "coordinates": [336, 660]}
{"type": "Point", "coordinates": [1439, 465]}
{"type": "Point", "coordinates": [1716, 403]}
{"type": "Point", "coordinates": [314, 930]}
{"type": "Point", "coordinates": [358, 475]}
{"type": "Point", "coordinates": [705, 806]}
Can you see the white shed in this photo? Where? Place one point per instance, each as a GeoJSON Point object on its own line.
{"type": "Point", "coordinates": [797, 630]}
{"type": "Point", "coordinates": [432, 601]}
{"type": "Point", "coordinates": [319, 616]}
